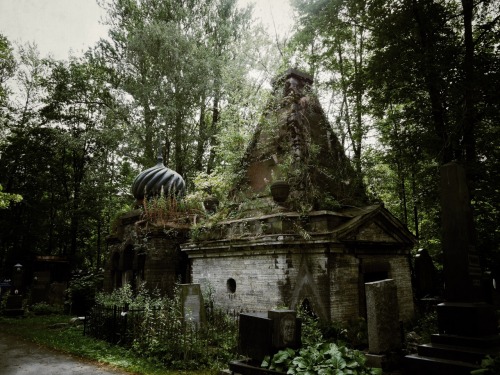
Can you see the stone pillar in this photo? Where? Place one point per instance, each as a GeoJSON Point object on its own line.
{"type": "Point", "coordinates": [382, 316]}
{"type": "Point", "coordinates": [464, 311]}
{"type": "Point", "coordinates": [462, 274]}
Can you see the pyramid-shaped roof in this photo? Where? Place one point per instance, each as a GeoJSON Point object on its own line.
{"type": "Point", "coordinates": [294, 142]}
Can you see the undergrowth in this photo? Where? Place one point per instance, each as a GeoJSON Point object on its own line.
{"type": "Point", "coordinates": [53, 332]}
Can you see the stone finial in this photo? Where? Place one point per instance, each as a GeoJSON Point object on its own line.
{"type": "Point", "coordinates": [293, 81]}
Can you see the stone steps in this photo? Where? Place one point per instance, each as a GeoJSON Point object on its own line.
{"type": "Point", "coordinates": [422, 365]}
{"type": "Point", "coordinates": [465, 354]}
{"type": "Point", "coordinates": [469, 341]}
{"type": "Point", "coordinates": [451, 354]}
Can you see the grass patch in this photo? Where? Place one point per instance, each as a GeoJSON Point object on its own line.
{"type": "Point", "coordinates": [49, 331]}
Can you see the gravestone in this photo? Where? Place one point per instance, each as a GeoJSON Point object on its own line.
{"type": "Point", "coordinates": [14, 305]}
{"type": "Point", "coordinates": [255, 336]}
{"type": "Point", "coordinates": [193, 307]}
{"type": "Point", "coordinates": [461, 270]}
{"type": "Point", "coordinates": [286, 329]}
{"type": "Point", "coordinates": [260, 336]}
{"type": "Point", "coordinates": [463, 312]}
{"type": "Point", "coordinates": [40, 286]}
{"type": "Point", "coordinates": [382, 316]}
{"type": "Point", "coordinates": [425, 275]}
{"type": "Point", "coordinates": [467, 325]}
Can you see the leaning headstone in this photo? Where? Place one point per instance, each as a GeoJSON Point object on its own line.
{"type": "Point", "coordinates": [255, 336]}
{"type": "Point", "coordinates": [382, 316]}
{"type": "Point", "coordinates": [193, 308]}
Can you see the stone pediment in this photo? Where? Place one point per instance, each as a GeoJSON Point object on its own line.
{"type": "Point", "coordinates": [371, 232]}
{"type": "Point", "coordinates": [375, 224]}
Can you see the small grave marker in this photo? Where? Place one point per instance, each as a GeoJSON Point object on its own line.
{"type": "Point", "coordinates": [383, 316]}
{"type": "Point", "coordinates": [193, 308]}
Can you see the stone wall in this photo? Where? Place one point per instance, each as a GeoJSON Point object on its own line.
{"type": "Point", "coordinates": [265, 279]}
{"type": "Point", "coordinates": [344, 283]}
{"type": "Point", "coordinates": [144, 253]}
{"type": "Point", "coordinates": [331, 281]}
{"type": "Point", "coordinates": [401, 274]}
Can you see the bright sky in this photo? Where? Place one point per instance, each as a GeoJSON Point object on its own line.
{"type": "Point", "coordinates": [61, 26]}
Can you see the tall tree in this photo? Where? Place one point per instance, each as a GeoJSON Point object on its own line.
{"type": "Point", "coordinates": [338, 35]}
{"type": "Point", "coordinates": [60, 161]}
{"type": "Point", "coordinates": [169, 57]}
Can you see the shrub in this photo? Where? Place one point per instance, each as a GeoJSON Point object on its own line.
{"type": "Point", "coordinates": [318, 356]}
{"type": "Point", "coordinates": [157, 329]}
{"type": "Point", "coordinates": [489, 366]}
{"type": "Point", "coordinates": [82, 291]}
{"type": "Point", "coordinates": [354, 333]}
{"type": "Point", "coordinates": [43, 308]}
{"type": "Point", "coordinates": [323, 359]}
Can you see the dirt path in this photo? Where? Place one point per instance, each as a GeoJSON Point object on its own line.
{"type": "Point", "coordinates": [19, 357]}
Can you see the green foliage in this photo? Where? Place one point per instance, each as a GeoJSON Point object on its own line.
{"type": "Point", "coordinates": [318, 355]}
{"type": "Point", "coordinates": [311, 331]}
{"type": "Point", "coordinates": [43, 308]}
{"type": "Point", "coordinates": [489, 366]}
{"type": "Point", "coordinates": [6, 199]}
{"type": "Point", "coordinates": [321, 358]}
{"type": "Point", "coordinates": [353, 333]}
{"type": "Point", "coordinates": [3, 301]}
{"type": "Point", "coordinates": [81, 292]}
{"type": "Point", "coordinates": [7, 68]}
{"type": "Point", "coordinates": [166, 208]}
{"type": "Point", "coordinates": [163, 334]}
{"type": "Point", "coordinates": [420, 331]}
{"type": "Point", "coordinates": [72, 341]}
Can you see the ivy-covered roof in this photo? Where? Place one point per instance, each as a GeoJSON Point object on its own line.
{"type": "Point", "coordinates": [295, 142]}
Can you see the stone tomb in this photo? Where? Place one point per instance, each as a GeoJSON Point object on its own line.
{"type": "Point", "coordinates": [316, 248]}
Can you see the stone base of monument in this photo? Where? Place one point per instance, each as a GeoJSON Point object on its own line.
{"type": "Point", "coordinates": [467, 319]}
{"type": "Point", "coordinates": [385, 361]}
{"type": "Point", "coordinates": [468, 333]}
{"type": "Point", "coordinates": [14, 305]}
{"type": "Point", "coordinates": [376, 360]}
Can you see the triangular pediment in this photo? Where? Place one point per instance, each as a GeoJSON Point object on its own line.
{"type": "Point", "coordinates": [373, 232]}
{"type": "Point", "coordinates": [375, 225]}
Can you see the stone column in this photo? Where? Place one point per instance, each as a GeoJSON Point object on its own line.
{"type": "Point", "coordinates": [463, 312]}
{"type": "Point", "coordinates": [462, 273]}
{"type": "Point", "coordinates": [382, 316]}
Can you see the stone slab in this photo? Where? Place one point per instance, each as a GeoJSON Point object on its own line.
{"type": "Point", "coordinates": [467, 319]}
{"type": "Point", "coordinates": [255, 336]}
{"type": "Point", "coordinates": [418, 365]}
{"type": "Point", "coordinates": [383, 316]}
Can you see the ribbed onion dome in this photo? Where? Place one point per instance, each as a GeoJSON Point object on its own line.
{"type": "Point", "coordinates": [151, 181]}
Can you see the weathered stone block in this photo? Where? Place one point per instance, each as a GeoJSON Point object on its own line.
{"type": "Point", "coordinates": [382, 316]}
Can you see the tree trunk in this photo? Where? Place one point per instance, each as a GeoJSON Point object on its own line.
{"type": "Point", "coordinates": [213, 132]}
{"type": "Point", "coordinates": [469, 117]}
{"type": "Point", "coordinates": [432, 81]}
{"type": "Point", "coordinates": [200, 148]}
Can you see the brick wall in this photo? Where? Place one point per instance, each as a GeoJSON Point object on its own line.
{"type": "Point", "coordinates": [344, 287]}
{"type": "Point", "coordinates": [400, 272]}
{"type": "Point", "coordinates": [265, 279]}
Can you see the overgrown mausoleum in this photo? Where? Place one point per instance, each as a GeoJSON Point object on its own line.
{"type": "Point", "coordinates": [301, 230]}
